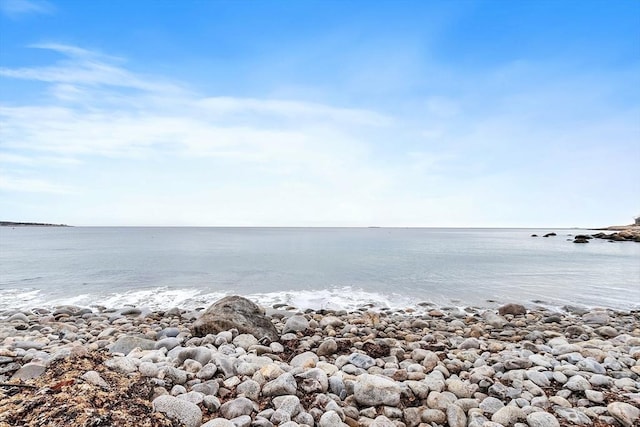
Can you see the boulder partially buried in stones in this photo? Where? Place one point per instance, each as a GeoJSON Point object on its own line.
{"type": "Point", "coordinates": [513, 309]}
{"type": "Point", "coordinates": [235, 312]}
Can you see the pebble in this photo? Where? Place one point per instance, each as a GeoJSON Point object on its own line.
{"type": "Point", "coordinates": [542, 419]}
{"type": "Point", "coordinates": [219, 422]}
{"type": "Point", "coordinates": [624, 413]}
{"type": "Point", "coordinates": [296, 324]}
{"type": "Point", "coordinates": [372, 390]}
{"type": "Point", "coordinates": [237, 407]}
{"type": "Point", "coordinates": [508, 415]}
{"type": "Point", "coordinates": [182, 411]}
{"type": "Point", "coordinates": [456, 416]}
{"type": "Point", "coordinates": [577, 383]}
{"type": "Point", "coordinates": [29, 371]}
{"type": "Point", "coordinates": [93, 377]}
{"type": "Point", "coordinates": [572, 415]}
{"type": "Point", "coordinates": [284, 384]}
{"type": "Point", "coordinates": [467, 368]}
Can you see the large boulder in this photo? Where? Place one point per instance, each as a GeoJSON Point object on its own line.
{"type": "Point", "coordinates": [235, 312]}
{"type": "Point", "coordinates": [513, 309]}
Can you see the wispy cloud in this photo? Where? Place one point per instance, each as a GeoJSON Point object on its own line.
{"type": "Point", "coordinates": [84, 67]}
{"type": "Point", "coordinates": [135, 143]}
{"type": "Point", "coordinates": [34, 185]}
{"type": "Point", "coordinates": [16, 8]}
{"type": "Point", "coordinates": [91, 111]}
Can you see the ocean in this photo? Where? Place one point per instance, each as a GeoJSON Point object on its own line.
{"type": "Point", "coordinates": [318, 268]}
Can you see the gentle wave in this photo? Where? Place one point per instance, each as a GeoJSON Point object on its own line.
{"type": "Point", "coordinates": [163, 298]}
{"type": "Point", "coordinates": [312, 268]}
{"type": "Point", "coordinates": [335, 298]}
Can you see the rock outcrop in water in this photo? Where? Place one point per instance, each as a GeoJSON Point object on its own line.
{"type": "Point", "coordinates": [235, 312]}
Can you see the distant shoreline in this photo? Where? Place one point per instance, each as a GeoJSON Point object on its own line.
{"type": "Point", "coordinates": [29, 224]}
{"type": "Point", "coordinates": [631, 227]}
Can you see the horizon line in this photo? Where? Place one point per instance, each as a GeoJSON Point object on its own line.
{"type": "Point", "coordinates": [42, 224]}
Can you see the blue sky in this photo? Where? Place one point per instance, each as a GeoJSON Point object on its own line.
{"type": "Point", "coordinates": [320, 113]}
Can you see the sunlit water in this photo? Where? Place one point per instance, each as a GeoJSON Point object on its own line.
{"type": "Point", "coordinates": [312, 267]}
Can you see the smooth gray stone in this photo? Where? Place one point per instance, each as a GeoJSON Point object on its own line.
{"type": "Point", "coordinates": [295, 324]}
{"type": "Point", "coordinates": [29, 371]}
{"type": "Point", "coordinates": [237, 407]}
{"type": "Point", "coordinates": [180, 410]}
{"type": "Point", "coordinates": [373, 390]}
{"type": "Point", "coordinates": [125, 344]}
{"type": "Point", "coordinates": [542, 419]}
{"type": "Point", "coordinates": [626, 414]}
{"type": "Point", "coordinates": [284, 384]}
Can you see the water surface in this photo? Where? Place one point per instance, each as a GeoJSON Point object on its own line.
{"type": "Point", "coordinates": [312, 267]}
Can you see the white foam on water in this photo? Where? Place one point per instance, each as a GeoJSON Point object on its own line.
{"type": "Point", "coordinates": [155, 298]}
{"type": "Point", "coordinates": [163, 298]}
{"type": "Point", "coordinates": [19, 298]}
{"type": "Point", "coordinates": [347, 298]}
{"type": "Point", "coordinates": [335, 298]}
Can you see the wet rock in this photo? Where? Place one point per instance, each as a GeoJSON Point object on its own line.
{"type": "Point", "coordinates": [235, 312]}
{"type": "Point", "coordinates": [596, 318]}
{"type": "Point", "coordinates": [512, 309]}
{"type": "Point", "coordinates": [494, 320]}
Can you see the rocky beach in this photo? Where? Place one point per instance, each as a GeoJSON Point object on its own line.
{"type": "Point", "coordinates": [239, 365]}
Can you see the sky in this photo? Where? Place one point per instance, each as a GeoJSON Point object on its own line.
{"type": "Point", "coordinates": [320, 113]}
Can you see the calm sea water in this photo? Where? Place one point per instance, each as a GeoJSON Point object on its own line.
{"type": "Point", "coordinates": [312, 267]}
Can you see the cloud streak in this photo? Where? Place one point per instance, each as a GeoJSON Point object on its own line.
{"type": "Point", "coordinates": [15, 9]}
{"type": "Point", "coordinates": [34, 185]}
{"type": "Point", "coordinates": [92, 117]}
{"type": "Point", "coordinates": [119, 144]}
